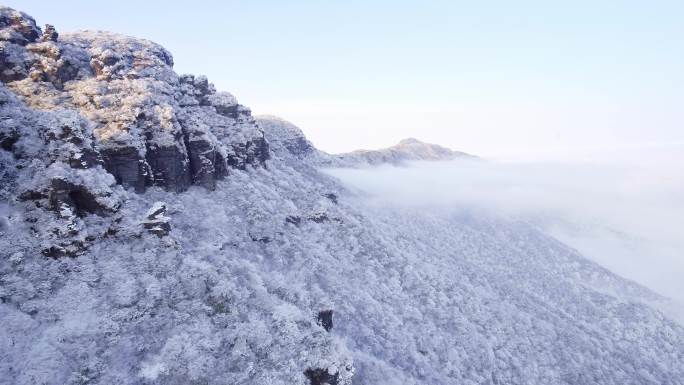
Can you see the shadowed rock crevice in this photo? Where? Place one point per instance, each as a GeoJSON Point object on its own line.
{"type": "Point", "coordinates": [325, 319]}
{"type": "Point", "coordinates": [321, 377]}
{"type": "Point", "coordinates": [169, 165]}
{"type": "Point", "coordinates": [7, 140]}
{"type": "Point", "coordinates": [205, 162]}
{"type": "Point", "coordinates": [78, 197]}
{"type": "Point", "coordinates": [125, 164]}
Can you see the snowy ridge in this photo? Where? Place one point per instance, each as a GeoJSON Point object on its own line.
{"type": "Point", "coordinates": [227, 280]}
{"type": "Point", "coordinates": [406, 150]}
{"type": "Point", "coordinates": [289, 141]}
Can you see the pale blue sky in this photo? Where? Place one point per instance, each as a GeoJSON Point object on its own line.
{"type": "Point", "coordinates": [489, 77]}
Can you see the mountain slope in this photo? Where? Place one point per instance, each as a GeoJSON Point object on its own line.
{"type": "Point", "coordinates": [232, 281]}
{"type": "Point", "coordinates": [291, 142]}
{"type": "Point", "coordinates": [409, 149]}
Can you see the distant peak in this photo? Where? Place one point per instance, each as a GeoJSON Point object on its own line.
{"type": "Point", "coordinates": [410, 141]}
{"type": "Point", "coordinates": [270, 117]}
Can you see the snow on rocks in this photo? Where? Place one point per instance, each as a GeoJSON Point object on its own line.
{"type": "Point", "coordinates": [50, 33]}
{"type": "Point", "coordinates": [17, 27]}
{"type": "Point", "coordinates": [51, 164]}
{"type": "Point", "coordinates": [286, 138]}
{"type": "Point", "coordinates": [156, 222]}
{"type": "Point", "coordinates": [152, 127]}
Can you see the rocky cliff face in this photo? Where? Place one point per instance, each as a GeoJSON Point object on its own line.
{"type": "Point", "coordinates": [150, 126]}
{"type": "Point", "coordinates": [87, 120]}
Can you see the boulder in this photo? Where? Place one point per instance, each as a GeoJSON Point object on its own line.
{"type": "Point", "coordinates": [156, 222]}
{"type": "Point", "coordinates": [325, 319]}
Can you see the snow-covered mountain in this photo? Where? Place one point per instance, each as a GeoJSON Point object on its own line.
{"type": "Point", "coordinates": [409, 149]}
{"type": "Point", "coordinates": [152, 233]}
{"type": "Point", "coordinates": [288, 140]}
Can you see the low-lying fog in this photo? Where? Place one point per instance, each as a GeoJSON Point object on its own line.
{"type": "Point", "coordinates": [626, 212]}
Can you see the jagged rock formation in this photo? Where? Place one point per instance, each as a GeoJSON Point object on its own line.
{"type": "Point", "coordinates": [151, 127]}
{"type": "Point", "coordinates": [289, 141]}
{"type": "Point", "coordinates": [230, 292]}
{"type": "Point", "coordinates": [50, 161]}
{"type": "Point", "coordinates": [18, 27]}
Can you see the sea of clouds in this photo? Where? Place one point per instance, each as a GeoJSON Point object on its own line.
{"type": "Point", "coordinates": [624, 211]}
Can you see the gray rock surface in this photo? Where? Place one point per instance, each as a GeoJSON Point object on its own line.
{"type": "Point", "coordinates": [151, 126]}
{"type": "Point", "coordinates": [156, 222]}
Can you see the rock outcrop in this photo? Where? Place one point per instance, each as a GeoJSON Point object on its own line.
{"type": "Point", "coordinates": [50, 33]}
{"type": "Point", "coordinates": [87, 111]}
{"type": "Point", "coordinates": [321, 377]}
{"type": "Point", "coordinates": [17, 27]}
{"type": "Point", "coordinates": [151, 126]}
{"type": "Point", "coordinates": [50, 162]}
{"type": "Point", "coordinates": [156, 222]}
{"type": "Point", "coordinates": [325, 319]}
